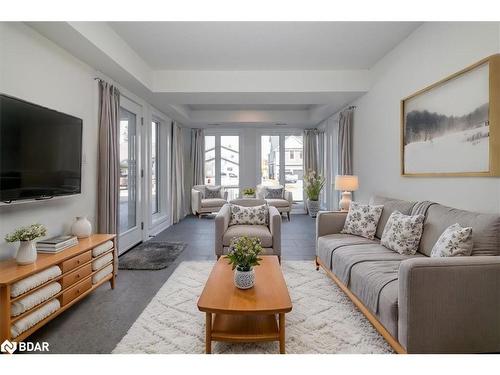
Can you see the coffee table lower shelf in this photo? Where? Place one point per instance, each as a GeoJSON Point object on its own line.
{"type": "Point", "coordinates": [245, 328]}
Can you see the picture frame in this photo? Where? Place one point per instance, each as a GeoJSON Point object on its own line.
{"type": "Point", "coordinates": [446, 131]}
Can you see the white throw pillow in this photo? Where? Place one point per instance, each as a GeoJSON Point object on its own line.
{"type": "Point", "coordinates": [362, 220]}
{"type": "Point", "coordinates": [256, 215]}
{"type": "Point", "coordinates": [402, 233]}
{"type": "Point", "coordinates": [454, 241]}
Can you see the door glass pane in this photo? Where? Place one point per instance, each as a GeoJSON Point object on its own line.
{"type": "Point", "coordinates": [270, 160]}
{"type": "Point", "coordinates": [210, 160]}
{"type": "Point", "coordinates": [294, 175]}
{"type": "Point", "coordinates": [229, 162]}
{"type": "Point", "coordinates": [155, 206]}
{"type": "Point", "coordinates": [128, 171]}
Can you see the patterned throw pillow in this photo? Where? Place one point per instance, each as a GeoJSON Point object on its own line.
{"type": "Point", "coordinates": [455, 241]}
{"type": "Point", "coordinates": [212, 192]}
{"type": "Point", "coordinates": [362, 220]}
{"type": "Point", "coordinates": [256, 215]}
{"type": "Point", "coordinates": [402, 233]}
{"type": "Point", "coordinates": [274, 193]}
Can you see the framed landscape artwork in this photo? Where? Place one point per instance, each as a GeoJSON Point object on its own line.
{"type": "Point", "coordinates": [452, 128]}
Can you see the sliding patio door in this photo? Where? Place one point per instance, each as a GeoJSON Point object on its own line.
{"type": "Point", "coordinates": [130, 225]}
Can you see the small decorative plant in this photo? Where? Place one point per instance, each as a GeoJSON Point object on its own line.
{"type": "Point", "coordinates": [244, 253]}
{"type": "Point", "coordinates": [314, 184]}
{"type": "Point", "coordinates": [249, 191]}
{"type": "Point", "coordinates": [243, 256]}
{"type": "Point", "coordinates": [29, 233]}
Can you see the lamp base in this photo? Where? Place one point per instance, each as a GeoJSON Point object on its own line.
{"type": "Point", "coordinates": [345, 202]}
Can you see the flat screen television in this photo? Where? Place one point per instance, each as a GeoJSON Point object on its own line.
{"type": "Point", "coordinates": [40, 152]}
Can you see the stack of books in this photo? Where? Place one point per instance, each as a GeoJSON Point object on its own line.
{"type": "Point", "coordinates": [56, 244]}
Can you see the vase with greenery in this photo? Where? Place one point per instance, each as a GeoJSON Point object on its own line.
{"type": "Point", "coordinates": [26, 254]}
{"type": "Point", "coordinates": [249, 193]}
{"type": "Point", "coordinates": [314, 184]}
{"type": "Point", "coordinates": [244, 256]}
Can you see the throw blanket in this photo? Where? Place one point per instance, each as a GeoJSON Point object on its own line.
{"type": "Point", "coordinates": [98, 276]}
{"type": "Point", "coordinates": [22, 286]}
{"type": "Point", "coordinates": [30, 320]}
{"type": "Point", "coordinates": [420, 208]}
{"type": "Point", "coordinates": [34, 299]}
{"type": "Point", "coordinates": [345, 258]}
{"type": "Point", "coordinates": [101, 249]}
{"type": "Point", "coordinates": [98, 263]}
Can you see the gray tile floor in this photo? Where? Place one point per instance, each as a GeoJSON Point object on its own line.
{"type": "Point", "coordinates": [97, 323]}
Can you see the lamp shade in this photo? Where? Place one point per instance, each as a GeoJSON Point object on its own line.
{"type": "Point", "coordinates": [346, 183]}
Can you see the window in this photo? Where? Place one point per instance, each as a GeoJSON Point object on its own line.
{"type": "Point", "coordinates": [128, 171]}
{"type": "Point", "coordinates": [270, 160]}
{"type": "Point", "coordinates": [291, 154]}
{"type": "Point", "coordinates": [222, 162]}
{"type": "Point", "coordinates": [155, 199]}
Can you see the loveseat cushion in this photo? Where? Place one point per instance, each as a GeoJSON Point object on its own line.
{"type": "Point", "coordinates": [260, 231]}
{"type": "Point", "coordinates": [485, 229]}
{"type": "Point", "coordinates": [278, 202]}
{"type": "Point", "coordinates": [390, 205]}
{"type": "Point", "coordinates": [214, 202]}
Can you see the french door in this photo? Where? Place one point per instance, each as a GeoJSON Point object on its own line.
{"type": "Point", "coordinates": [130, 227]}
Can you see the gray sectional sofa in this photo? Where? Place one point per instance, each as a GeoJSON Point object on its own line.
{"type": "Point", "coordinates": [418, 303]}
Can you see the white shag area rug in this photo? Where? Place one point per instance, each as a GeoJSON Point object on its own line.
{"type": "Point", "coordinates": [323, 319]}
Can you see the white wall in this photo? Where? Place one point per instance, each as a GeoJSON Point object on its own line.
{"type": "Point", "coordinates": [432, 52]}
{"type": "Point", "coordinates": [35, 69]}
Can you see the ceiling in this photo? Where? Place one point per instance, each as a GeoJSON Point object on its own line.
{"type": "Point", "coordinates": [262, 45]}
{"type": "Point", "coordinates": [235, 73]}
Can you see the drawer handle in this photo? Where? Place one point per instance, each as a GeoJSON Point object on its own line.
{"type": "Point", "coordinates": [78, 261]}
{"type": "Point", "coordinates": [78, 291]}
{"type": "Point", "coordinates": [77, 275]}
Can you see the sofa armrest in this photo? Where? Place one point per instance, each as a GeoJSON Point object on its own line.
{"type": "Point", "coordinates": [195, 201]}
{"type": "Point", "coordinates": [275, 228]}
{"type": "Point", "coordinates": [329, 222]}
{"type": "Point", "coordinates": [289, 197]}
{"type": "Point", "coordinates": [221, 224]}
{"type": "Point", "coordinates": [449, 305]}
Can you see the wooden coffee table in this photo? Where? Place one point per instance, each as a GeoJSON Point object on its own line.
{"type": "Point", "coordinates": [252, 315]}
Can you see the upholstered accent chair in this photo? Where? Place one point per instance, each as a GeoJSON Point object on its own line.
{"type": "Point", "coordinates": [270, 234]}
{"type": "Point", "coordinates": [201, 205]}
{"type": "Point", "coordinates": [284, 204]}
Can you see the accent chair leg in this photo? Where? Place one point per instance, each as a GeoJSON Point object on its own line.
{"type": "Point", "coordinates": [288, 214]}
{"type": "Point", "coordinates": [279, 259]}
{"type": "Point", "coordinates": [317, 263]}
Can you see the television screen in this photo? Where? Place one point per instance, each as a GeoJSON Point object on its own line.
{"type": "Point", "coordinates": [40, 151]}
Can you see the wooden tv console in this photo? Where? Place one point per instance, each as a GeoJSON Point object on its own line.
{"type": "Point", "coordinates": [76, 280]}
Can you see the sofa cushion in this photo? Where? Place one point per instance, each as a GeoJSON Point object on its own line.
{"type": "Point", "coordinates": [260, 231]}
{"type": "Point", "coordinates": [485, 229]}
{"type": "Point", "coordinates": [455, 241]}
{"type": "Point", "coordinates": [214, 202]}
{"type": "Point", "coordinates": [326, 245]}
{"type": "Point", "coordinates": [402, 233]}
{"type": "Point", "coordinates": [362, 220]}
{"type": "Point", "coordinates": [390, 205]}
{"type": "Point", "coordinates": [278, 202]}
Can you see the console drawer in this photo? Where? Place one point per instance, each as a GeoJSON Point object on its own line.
{"type": "Point", "coordinates": [76, 276]}
{"type": "Point", "coordinates": [76, 291]}
{"type": "Point", "coordinates": [74, 262]}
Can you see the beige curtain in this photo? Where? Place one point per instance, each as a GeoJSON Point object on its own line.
{"type": "Point", "coordinates": [344, 147]}
{"type": "Point", "coordinates": [108, 165]}
{"type": "Point", "coordinates": [198, 156]}
{"type": "Point", "coordinates": [177, 187]}
{"type": "Point", "coordinates": [310, 158]}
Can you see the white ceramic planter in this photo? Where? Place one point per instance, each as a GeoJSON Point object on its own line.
{"type": "Point", "coordinates": [244, 279]}
{"type": "Point", "coordinates": [26, 254]}
{"type": "Point", "coordinates": [313, 207]}
{"type": "Point", "coordinates": [81, 228]}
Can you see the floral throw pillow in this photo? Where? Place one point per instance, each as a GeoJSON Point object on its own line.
{"type": "Point", "coordinates": [455, 241]}
{"type": "Point", "coordinates": [257, 215]}
{"type": "Point", "coordinates": [274, 193]}
{"type": "Point", "coordinates": [362, 220]}
{"type": "Point", "coordinates": [212, 192]}
{"type": "Point", "coordinates": [402, 233]}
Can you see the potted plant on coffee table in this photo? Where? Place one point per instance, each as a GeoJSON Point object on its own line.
{"type": "Point", "coordinates": [244, 256]}
{"type": "Point", "coordinates": [314, 184]}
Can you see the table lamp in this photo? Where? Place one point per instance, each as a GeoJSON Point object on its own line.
{"type": "Point", "coordinates": [346, 184]}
